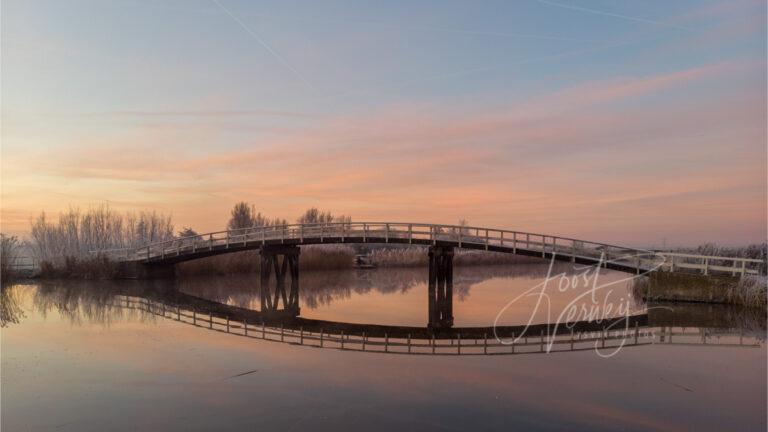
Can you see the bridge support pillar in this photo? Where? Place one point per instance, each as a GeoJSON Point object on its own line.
{"type": "Point", "coordinates": [283, 260]}
{"type": "Point", "coordinates": [440, 287]}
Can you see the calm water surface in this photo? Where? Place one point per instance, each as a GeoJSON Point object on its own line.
{"type": "Point", "coordinates": [72, 363]}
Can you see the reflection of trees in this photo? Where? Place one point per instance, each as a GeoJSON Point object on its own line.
{"type": "Point", "coordinates": [325, 287]}
{"type": "Point", "coordinates": [95, 302]}
{"type": "Point", "coordinates": [10, 305]}
{"type": "Point", "coordinates": [84, 301]}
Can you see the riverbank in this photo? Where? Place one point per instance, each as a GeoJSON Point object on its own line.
{"type": "Point", "coordinates": [750, 291]}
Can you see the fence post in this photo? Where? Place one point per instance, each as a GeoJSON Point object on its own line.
{"type": "Point", "coordinates": [409, 343]}
{"type": "Point", "coordinates": [342, 339]}
{"type": "Point", "coordinates": [458, 343]}
{"type": "Point", "coordinates": [245, 327]}
{"type": "Point", "coordinates": [706, 266]}
{"type": "Point", "coordinates": [573, 250]}
{"type": "Point", "coordinates": [410, 233]}
{"type": "Point", "coordinates": [637, 331]}
{"type": "Point", "coordinates": [263, 330]}
{"type": "Point", "coordinates": [301, 335]}
{"type": "Point", "coordinates": [321, 338]}
{"type": "Point", "coordinates": [386, 342]}
{"type": "Point", "coordinates": [363, 341]}
{"type": "Point", "coordinates": [386, 233]}
{"type": "Point", "coordinates": [227, 324]}
{"type": "Point", "coordinates": [432, 235]}
{"type": "Point", "coordinates": [485, 343]}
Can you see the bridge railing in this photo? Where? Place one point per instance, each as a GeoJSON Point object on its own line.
{"type": "Point", "coordinates": [462, 236]}
{"type": "Point", "coordinates": [706, 264]}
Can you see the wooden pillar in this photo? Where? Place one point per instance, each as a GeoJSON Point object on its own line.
{"type": "Point", "coordinates": [283, 260]}
{"type": "Point", "coordinates": [440, 287]}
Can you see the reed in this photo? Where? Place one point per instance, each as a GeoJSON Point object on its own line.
{"type": "Point", "coordinates": [750, 291]}
{"type": "Point", "coordinates": [313, 257]}
{"type": "Point", "coordinates": [9, 246]}
{"type": "Point", "coordinates": [417, 257]}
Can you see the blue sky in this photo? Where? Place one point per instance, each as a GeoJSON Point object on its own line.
{"type": "Point", "coordinates": [157, 105]}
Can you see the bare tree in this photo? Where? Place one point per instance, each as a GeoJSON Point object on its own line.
{"type": "Point", "coordinates": [315, 216]}
{"type": "Point", "coordinates": [242, 216]}
{"type": "Point", "coordinates": [8, 253]}
{"type": "Point", "coordinates": [187, 232]}
{"type": "Point", "coordinates": [79, 234]}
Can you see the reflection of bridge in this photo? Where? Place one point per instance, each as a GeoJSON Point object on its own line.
{"type": "Point", "coordinates": [608, 335]}
{"type": "Point", "coordinates": [447, 237]}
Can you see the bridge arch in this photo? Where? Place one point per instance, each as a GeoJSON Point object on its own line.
{"type": "Point", "coordinates": [626, 259]}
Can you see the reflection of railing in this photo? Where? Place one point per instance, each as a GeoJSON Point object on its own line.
{"type": "Point", "coordinates": [491, 239]}
{"type": "Point", "coordinates": [607, 339]}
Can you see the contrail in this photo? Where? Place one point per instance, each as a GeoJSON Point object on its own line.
{"type": "Point", "coordinates": [264, 44]}
{"type": "Point", "coordinates": [614, 15]}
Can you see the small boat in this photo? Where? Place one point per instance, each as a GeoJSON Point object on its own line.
{"type": "Point", "coordinates": [363, 262]}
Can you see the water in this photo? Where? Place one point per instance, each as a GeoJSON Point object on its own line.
{"type": "Point", "coordinates": [77, 361]}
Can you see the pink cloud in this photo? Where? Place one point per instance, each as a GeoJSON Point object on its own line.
{"type": "Point", "coordinates": [555, 164]}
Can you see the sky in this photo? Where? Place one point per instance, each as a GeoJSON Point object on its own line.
{"type": "Point", "coordinates": [631, 122]}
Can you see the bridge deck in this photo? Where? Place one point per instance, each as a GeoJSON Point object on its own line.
{"type": "Point", "coordinates": [632, 260]}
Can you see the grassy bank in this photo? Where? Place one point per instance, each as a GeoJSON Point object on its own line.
{"type": "Point", "coordinates": [750, 291]}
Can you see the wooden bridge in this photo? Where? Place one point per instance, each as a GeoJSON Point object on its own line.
{"type": "Point", "coordinates": [626, 259]}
